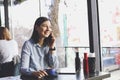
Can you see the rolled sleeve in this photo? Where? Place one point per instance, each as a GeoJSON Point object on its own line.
{"type": "Point", "coordinates": [52, 60]}
{"type": "Point", "coordinates": [55, 60]}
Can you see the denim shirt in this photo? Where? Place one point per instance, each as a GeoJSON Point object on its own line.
{"type": "Point", "coordinates": [33, 58]}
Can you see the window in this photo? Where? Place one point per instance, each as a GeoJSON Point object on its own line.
{"type": "Point", "coordinates": [109, 15]}
{"type": "Point", "coordinates": [22, 20]}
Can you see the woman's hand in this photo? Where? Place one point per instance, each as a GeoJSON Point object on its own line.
{"type": "Point", "coordinates": [40, 74]}
{"type": "Point", "coordinates": [52, 41]}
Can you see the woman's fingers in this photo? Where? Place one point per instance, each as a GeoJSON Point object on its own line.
{"type": "Point", "coordinates": [42, 74]}
{"type": "Point", "coordinates": [36, 74]}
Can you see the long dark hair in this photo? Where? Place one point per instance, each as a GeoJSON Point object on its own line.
{"type": "Point", "coordinates": [38, 22]}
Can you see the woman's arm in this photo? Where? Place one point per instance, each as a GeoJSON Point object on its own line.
{"type": "Point", "coordinates": [25, 59]}
{"type": "Point", "coordinates": [52, 59]}
{"type": "Point", "coordinates": [52, 52]}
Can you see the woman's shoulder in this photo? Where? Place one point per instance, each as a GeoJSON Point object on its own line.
{"type": "Point", "coordinates": [2, 41]}
{"type": "Point", "coordinates": [29, 42]}
{"type": "Point", "coordinates": [7, 41]}
{"type": "Point", "coordinates": [12, 41]}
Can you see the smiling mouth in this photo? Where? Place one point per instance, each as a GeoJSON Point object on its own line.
{"type": "Point", "coordinates": [49, 32]}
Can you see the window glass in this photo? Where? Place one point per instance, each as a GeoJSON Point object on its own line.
{"type": "Point", "coordinates": [2, 15]}
{"type": "Point", "coordinates": [22, 17]}
{"type": "Point", "coordinates": [73, 26]}
{"type": "Point", "coordinates": [109, 15]}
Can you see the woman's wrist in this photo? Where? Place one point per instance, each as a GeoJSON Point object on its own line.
{"type": "Point", "coordinates": [52, 49]}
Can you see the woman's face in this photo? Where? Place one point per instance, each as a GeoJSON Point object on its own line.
{"type": "Point", "coordinates": [44, 30]}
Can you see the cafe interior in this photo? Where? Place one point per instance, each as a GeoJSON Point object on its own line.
{"type": "Point", "coordinates": [86, 29]}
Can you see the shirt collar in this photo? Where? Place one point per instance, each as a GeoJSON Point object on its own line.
{"type": "Point", "coordinates": [36, 44]}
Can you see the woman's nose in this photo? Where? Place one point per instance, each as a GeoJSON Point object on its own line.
{"type": "Point", "coordinates": [49, 28]}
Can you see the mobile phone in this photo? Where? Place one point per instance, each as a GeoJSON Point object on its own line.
{"type": "Point", "coordinates": [50, 36]}
{"type": "Point", "coordinates": [48, 39]}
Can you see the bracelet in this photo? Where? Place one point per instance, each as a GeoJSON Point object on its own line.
{"type": "Point", "coordinates": [52, 49]}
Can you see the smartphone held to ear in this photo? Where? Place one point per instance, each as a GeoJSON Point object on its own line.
{"type": "Point", "coordinates": [50, 36]}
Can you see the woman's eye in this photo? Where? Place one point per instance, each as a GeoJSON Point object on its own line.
{"type": "Point", "coordinates": [43, 25]}
{"type": "Point", "coordinates": [46, 26]}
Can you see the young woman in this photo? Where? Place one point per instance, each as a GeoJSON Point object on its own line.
{"type": "Point", "coordinates": [8, 49]}
{"type": "Point", "coordinates": [38, 53]}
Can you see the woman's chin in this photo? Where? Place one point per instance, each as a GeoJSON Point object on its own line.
{"type": "Point", "coordinates": [46, 36]}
